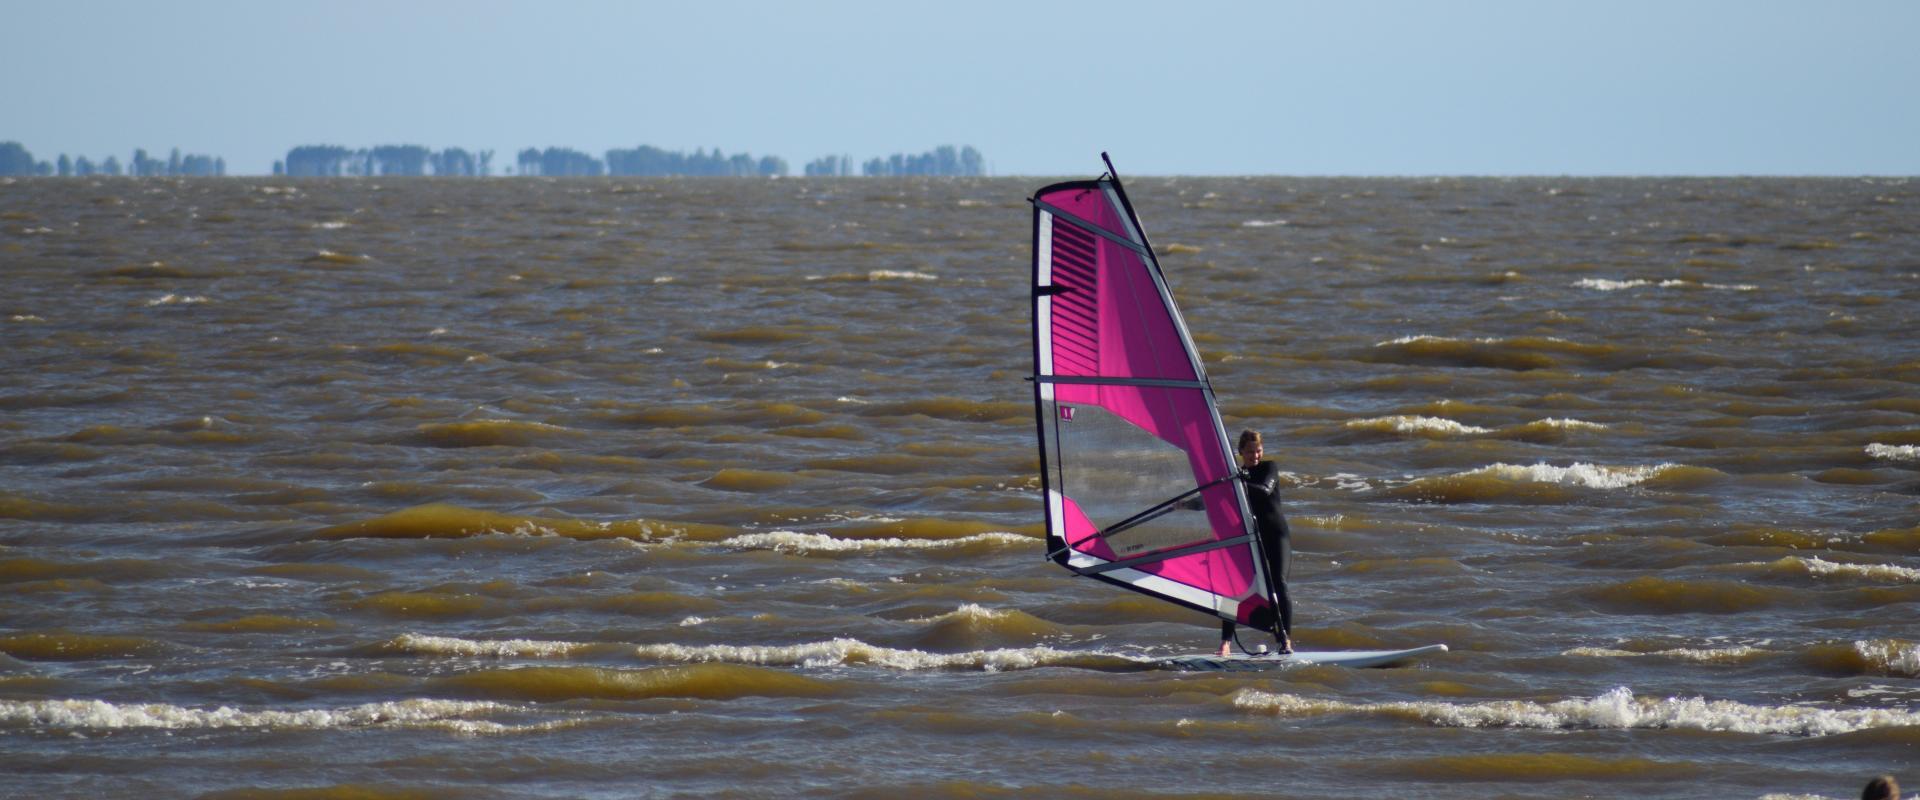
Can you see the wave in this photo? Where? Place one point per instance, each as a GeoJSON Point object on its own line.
{"type": "Point", "coordinates": [1618, 709]}
{"type": "Point", "coordinates": [1516, 353]}
{"type": "Point", "coordinates": [1701, 655]}
{"type": "Point", "coordinates": [807, 543]}
{"type": "Point", "coordinates": [1872, 657]}
{"type": "Point", "coordinates": [441, 520]}
{"type": "Point", "coordinates": [875, 276]}
{"type": "Point", "coordinates": [1416, 426]}
{"type": "Point", "coordinates": [853, 652]}
{"type": "Point", "coordinates": [1262, 223]}
{"type": "Point", "coordinates": [419, 644]}
{"type": "Point", "coordinates": [1819, 567]}
{"type": "Point", "coordinates": [1608, 285]}
{"type": "Point", "coordinates": [177, 300]}
{"type": "Point", "coordinates": [1546, 483]}
{"type": "Point", "coordinates": [1651, 595]}
{"type": "Point", "coordinates": [700, 681]}
{"type": "Point", "coordinates": [1894, 452]}
{"type": "Point", "coordinates": [490, 433]}
{"type": "Point", "coordinates": [46, 646]}
{"type": "Point", "coordinates": [467, 717]}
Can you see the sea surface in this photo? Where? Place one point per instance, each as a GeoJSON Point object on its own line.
{"type": "Point", "coordinates": [614, 488]}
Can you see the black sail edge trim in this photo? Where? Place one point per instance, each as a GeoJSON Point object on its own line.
{"type": "Point", "coordinates": [1096, 230]}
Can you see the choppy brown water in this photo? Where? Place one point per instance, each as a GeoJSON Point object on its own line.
{"type": "Point", "coordinates": [615, 488]}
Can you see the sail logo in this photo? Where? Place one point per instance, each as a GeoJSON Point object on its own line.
{"type": "Point", "coordinates": [1066, 413]}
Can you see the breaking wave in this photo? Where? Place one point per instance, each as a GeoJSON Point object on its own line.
{"type": "Point", "coordinates": [1615, 710]}
{"type": "Point", "coordinates": [1546, 482]}
{"type": "Point", "coordinates": [1894, 452]}
{"type": "Point", "coordinates": [441, 520]}
{"type": "Point", "coordinates": [467, 717]}
{"type": "Point", "coordinates": [853, 652]}
{"type": "Point", "coordinates": [1700, 655]}
{"type": "Point", "coordinates": [1416, 425]}
{"type": "Point", "coordinates": [1608, 285]}
{"type": "Point", "coordinates": [804, 543]}
{"type": "Point", "coordinates": [1819, 567]}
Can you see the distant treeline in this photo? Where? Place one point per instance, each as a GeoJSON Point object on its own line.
{"type": "Point", "coordinates": [333, 161]}
{"type": "Point", "coordinates": [944, 160]}
{"type": "Point", "coordinates": [645, 160]}
{"type": "Point", "coordinates": [16, 160]}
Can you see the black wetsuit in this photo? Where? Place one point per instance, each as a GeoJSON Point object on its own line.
{"type": "Point", "coordinates": [1263, 498]}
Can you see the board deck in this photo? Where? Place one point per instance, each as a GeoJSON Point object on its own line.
{"type": "Point", "coordinates": [1208, 662]}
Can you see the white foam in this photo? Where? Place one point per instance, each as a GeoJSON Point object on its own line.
{"type": "Point", "coordinates": [99, 715]}
{"type": "Point", "coordinates": [1262, 223]}
{"type": "Point", "coordinates": [1878, 572]}
{"type": "Point", "coordinates": [1569, 424]}
{"type": "Point", "coordinates": [1710, 655]}
{"type": "Point", "coordinates": [899, 275]}
{"type": "Point", "coordinates": [1894, 452]}
{"type": "Point", "coordinates": [497, 648]}
{"type": "Point", "coordinates": [969, 612]}
{"type": "Point", "coordinates": [845, 651]}
{"type": "Point", "coordinates": [1616, 710]}
{"type": "Point", "coordinates": [174, 299]}
{"type": "Point", "coordinates": [1589, 475]}
{"type": "Point", "coordinates": [791, 542]}
{"type": "Point", "coordinates": [1893, 655]}
{"type": "Point", "coordinates": [1417, 424]}
{"type": "Point", "coordinates": [1610, 285]}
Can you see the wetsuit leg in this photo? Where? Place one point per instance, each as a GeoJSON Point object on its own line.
{"type": "Point", "coordinates": [1226, 630]}
{"type": "Point", "coordinates": [1279, 564]}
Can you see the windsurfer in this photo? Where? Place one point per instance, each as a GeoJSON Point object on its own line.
{"type": "Point", "coordinates": [1262, 478]}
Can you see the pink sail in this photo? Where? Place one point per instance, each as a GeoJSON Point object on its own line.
{"type": "Point", "coordinates": [1137, 470]}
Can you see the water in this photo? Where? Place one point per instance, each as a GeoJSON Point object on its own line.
{"type": "Point", "coordinates": [618, 488]}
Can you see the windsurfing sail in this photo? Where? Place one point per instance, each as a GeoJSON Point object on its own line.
{"type": "Point", "coordinates": [1137, 471]}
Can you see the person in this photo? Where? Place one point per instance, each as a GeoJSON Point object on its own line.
{"type": "Point", "coordinates": [1262, 478]}
{"type": "Point", "coordinates": [1881, 788]}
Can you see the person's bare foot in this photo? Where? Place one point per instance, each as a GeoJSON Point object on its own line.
{"type": "Point", "coordinates": [1286, 645]}
{"type": "Point", "coordinates": [1224, 650]}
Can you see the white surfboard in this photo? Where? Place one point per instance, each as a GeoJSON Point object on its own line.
{"type": "Point", "coordinates": [1240, 662]}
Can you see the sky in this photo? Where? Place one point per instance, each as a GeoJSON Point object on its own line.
{"type": "Point", "coordinates": [1368, 87]}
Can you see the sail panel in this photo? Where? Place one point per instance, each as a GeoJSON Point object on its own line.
{"type": "Point", "coordinates": [1136, 460]}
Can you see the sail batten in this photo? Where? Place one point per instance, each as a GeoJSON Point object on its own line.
{"type": "Point", "coordinates": [1127, 419]}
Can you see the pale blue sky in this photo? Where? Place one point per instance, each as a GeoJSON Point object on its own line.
{"type": "Point", "coordinates": [1700, 87]}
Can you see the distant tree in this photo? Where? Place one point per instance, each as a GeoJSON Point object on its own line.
{"type": "Point", "coordinates": [529, 161]}
{"type": "Point", "coordinates": [317, 161]}
{"type": "Point", "coordinates": [486, 163]}
{"type": "Point", "coordinates": [830, 166]}
{"type": "Point", "coordinates": [64, 167]}
{"type": "Point", "coordinates": [15, 160]}
{"type": "Point", "coordinates": [83, 166]}
{"type": "Point", "coordinates": [279, 167]}
{"type": "Point", "coordinates": [43, 169]}
{"type": "Point", "coordinates": [220, 167]}
{"type": "Point", "coordinates": [111, 166]}
{"type": "Point", "coordinates": [406, 159]}
{"type": "Point", "coordinates": [173, 162]}
{"type": "Point", "coordinates": [943, 160]}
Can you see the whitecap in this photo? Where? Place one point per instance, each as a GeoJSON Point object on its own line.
{"type": "Point", "coordinates": [801, 543]}
{"type": "Point", "coordinates": [99, 715]}
{"type": "Point", "coordinates": [1703, 655]}
{"type": "Point", "coordinates": [1618, 709]}
{"type": "Point", "coordinates": [1418, 424]}
{"type": "Point", "coordinates": [901, 275]}
{"type": "Point", "coordinates": [847, 651]}
{"type": "Point", "coordinates": [1894, 452]}
{"type": "Point", "coordinates": [174, 299]}
{"type": "Point", "coordinates": [1262, 223]}
{"type": "Point", "coordinates": [1588, 475]}
{"type": "Point", "coordinates": [496, 648]}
